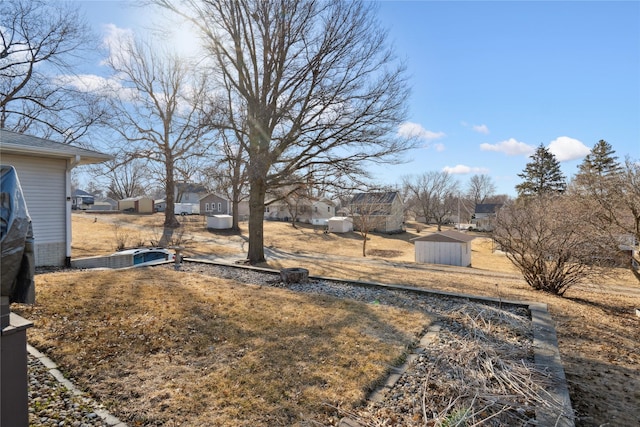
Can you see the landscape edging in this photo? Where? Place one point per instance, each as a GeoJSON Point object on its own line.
{"type": "Point", "coordinates": [545, 343]}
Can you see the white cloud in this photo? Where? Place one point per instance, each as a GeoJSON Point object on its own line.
{"type": "Point", "coordinates": [415, 130]}
{"type": "Point", "coordinates": [483, 129]}
{"type": "Point", "coordinates": [510, 147]}
{"type": "Point", "coordinates": [565, 148]}
{"type": "Point", "coordinates": [439, 147]}
{"type": "Point", "coordinates": [463, 170]}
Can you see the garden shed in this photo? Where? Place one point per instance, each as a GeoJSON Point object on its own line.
{"type": "Point", "coordinates": [136, 204]}
{"type": "Point", "coordinates": [219, 222]}
{"type": "Point", "coordinates": [444, 247]}
{"type": "Point", "coordinates": [340, 224]}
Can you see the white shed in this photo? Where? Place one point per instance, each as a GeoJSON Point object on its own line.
{"type": "Point", "coordinates": [340, 224]}
{"type": "Point", "coordinates": [219, 222]}
{"type": "Point", "coordinates": [444, 247]}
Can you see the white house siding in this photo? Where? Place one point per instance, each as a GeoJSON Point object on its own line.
{"type": "Point", "coordinates": [44, 187]}
{"type": "Point", "coordinates": [447, 253]}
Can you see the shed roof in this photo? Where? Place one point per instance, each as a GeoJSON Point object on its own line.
{"type": "Point", "coordinates": [19, 143]}
{"type": "Point", "coordinates": [374, 198]}
{"type": "Point", "coordinates": [447, 236]}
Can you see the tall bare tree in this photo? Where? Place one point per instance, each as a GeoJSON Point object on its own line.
{"type": "Point", "coordinates": [435, 195]}
{"type": "Point", "coordinates": [480, 188]}
{"type": "Point", "coordinates": [162, 114]}
{"type": "Point", "coordinates": [322, 92]}
{"type": "Point", "coordinates": [39, 94]}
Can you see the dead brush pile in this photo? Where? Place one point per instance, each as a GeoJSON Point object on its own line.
{"type": "Point", "coordinates": [480, 371]}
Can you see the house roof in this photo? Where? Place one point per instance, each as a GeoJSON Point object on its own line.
{"type": "Point", "coordinates": [19, 143]}
{"type": "Point", "coordinates": [447, 236]}
{"type": "Point", "coordinates": [369, 198]}
{"type": "Point", "coordinates": [487, 208]}
{"type": "Point", "coordinates": [78, 192]}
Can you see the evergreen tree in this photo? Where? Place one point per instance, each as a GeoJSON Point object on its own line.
{"type": "Point", "coordinates": [598, 168]}
{"type": "Point", "coordinates": [542, 175]}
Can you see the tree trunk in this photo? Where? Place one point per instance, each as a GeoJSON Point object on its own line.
{"type": "Point", "coordinates": [257, 192]}
{"type": "Point", "coordinates": [170, 220]}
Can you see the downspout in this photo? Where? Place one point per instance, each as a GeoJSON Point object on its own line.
{"type": "Point", "coordinates": [71, 163]}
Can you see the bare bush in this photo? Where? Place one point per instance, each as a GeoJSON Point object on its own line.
{"type": "Point", "coordinates": [120, 236]}
{"type": "Point", "coordinates": [546, 243]}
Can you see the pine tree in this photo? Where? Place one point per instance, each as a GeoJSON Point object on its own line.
{"type": "Point", "coordinates": [542, 175]}
{"type": "Point", "coordinates": [598, 167]}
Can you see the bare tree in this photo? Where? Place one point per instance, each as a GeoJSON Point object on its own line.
{"type": "Point", "coordinates": [321, 90]}
{"type": "Point", "coordinates": [161, 114]}
{"type": "Point", "coordinates": [608, 201]}
{"type": "Point", "coordinates": [369, 211]}
{"type": "Point", "coordinates": [229, 175]}
{"type": "Point", "coordinates": [479, 188]}
{"type": "Point", "coordinates": [39, 41]}
{"type": "Point", "coordinates": [126, 179]}
{"type": "Point", "coordinates": [546, 245]}
{"type": "Point", "coordinates": [435, 195]}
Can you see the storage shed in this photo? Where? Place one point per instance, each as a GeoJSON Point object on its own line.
{"type": "Point", "coordinates": [444, 247]}
{"type": "Point", "coordinates": [219, 222]}
{"type": "Point", "coordinates": [136, 204]}
{"type": "Point", "coordinates": [340, 224]}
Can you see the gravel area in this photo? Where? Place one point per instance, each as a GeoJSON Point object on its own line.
{"type": "Point", "coordinates": [480, 367]}
{"type": "Point", "coordinates": [52, 404]}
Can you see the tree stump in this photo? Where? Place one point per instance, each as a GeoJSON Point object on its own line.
{"type": "Point", "coordinates": [294, 275]}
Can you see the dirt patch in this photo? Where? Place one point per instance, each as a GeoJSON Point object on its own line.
{"type": "Point", "coordinates": [385, 253]}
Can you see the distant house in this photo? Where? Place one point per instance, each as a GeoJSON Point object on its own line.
{"type": "Point", "coordinates": [136, 204]}
{"type": "Point", "coordinates": [444, 247]}
{"type": "Point", "coordinates": [213, 204]}
{"type": "Point", "coordinates": [44, 170]}
{"type": "Point", "coordinates": [386, 207]}
{"type": "Point", "coordinates": [160, 205]}
{"type": "Point", "coordinates": [484, 215]}
{"type": "Point", "coordinates": [81, 200]}
{"type": "Point", "coordinates": [315, 212]}
{"type": "Point", "coordinates": [188, 192]}
{"type": "Point", "coordinates": [105, 204]}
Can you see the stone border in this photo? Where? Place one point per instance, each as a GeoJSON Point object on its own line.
{"type": "Point", "coordinates": [109, 419]}
{"type": "Point", "coordinates": [545, 346]}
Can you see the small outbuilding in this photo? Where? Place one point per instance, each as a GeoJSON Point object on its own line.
{"type": "Point", "coordinates": [220, 222]}
{"type": "Point", "coordinates": [339, 224]}
{"type": "Point", "coordinates": [444, 247]}
{"type": "Point", "coordinates": [136, 204]}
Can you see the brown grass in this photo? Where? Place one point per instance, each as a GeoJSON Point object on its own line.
{"type": "Point", "coordinates": [168, 348]}
{"type": "Point", "coordinates": [597, 327]}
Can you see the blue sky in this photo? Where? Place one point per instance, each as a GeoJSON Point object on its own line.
{"type": "Point", "coordinates": [493, 80]}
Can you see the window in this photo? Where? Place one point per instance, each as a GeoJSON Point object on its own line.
{"type": "Point", "coordinates": [219, 207]}
{"type": "Point", "coordinates": [206, 207]}
{"type": "Point", "coordinates": [329, 209]}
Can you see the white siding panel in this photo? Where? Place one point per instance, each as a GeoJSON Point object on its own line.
{"type": "Point", "coordinates": [44, 188]}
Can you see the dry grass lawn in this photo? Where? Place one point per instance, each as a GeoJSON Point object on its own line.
{"type": "Point", "coordinates": [597, 327]}
{"type": "Point", "coordinates": [168, 348]}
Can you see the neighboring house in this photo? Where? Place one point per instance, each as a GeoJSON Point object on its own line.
{"type": "Point", "coordinates": [81, 200]}
{"type": "Point", "coordinates": [213, 204]}
{"type": "Point", "coordinates": [136, 204]}
{"type": "Point", "coordinates": [187, 192]}
{"type": "Point", "coordinates": [105, 204]}
{"type": "Point", "coordinates": [484, 215]}
{"type": "Point", "coordinates": [444, 247]}
{"type": "Point", "coordinates": [386, 208]}
{"type": "Point", "coordinates": [44, 170]}
{"type": "Point", "coordinates": [315, 212]}
{"type": "Point", "coordinates": [160, 205]}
